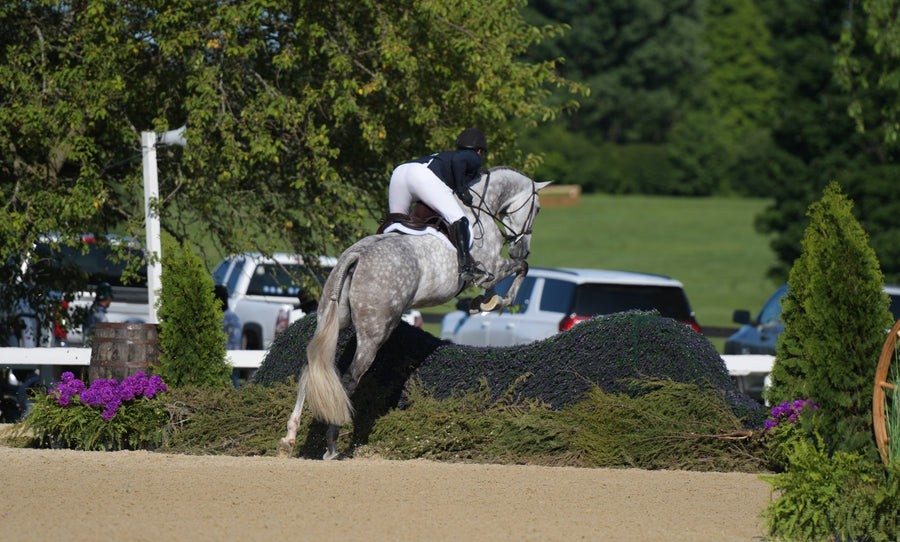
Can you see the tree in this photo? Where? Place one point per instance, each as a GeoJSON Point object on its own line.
{"type": "Point", "coordinates": [816, 135]}
{"type": "Point", "coordinates": [835, 315]}
{"type": "Point", "coordinates": [724, 144]}
{"type": "Point", "coordinates": [639, 60]}
{"type": "Point", "coordinates": [191, 336]}
{"type": "Point", "coordinates": [294, 111]}
{"type": "Point", "coordinates": [868, 66]}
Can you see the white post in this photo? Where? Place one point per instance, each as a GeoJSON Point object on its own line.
{"type": "Point", "coordinates": [151, 216]}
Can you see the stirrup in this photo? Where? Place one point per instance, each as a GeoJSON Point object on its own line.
{"type": "Point", "coordinates": [482, 276]}
{"type": "Point", "coordinates": [477, 274]}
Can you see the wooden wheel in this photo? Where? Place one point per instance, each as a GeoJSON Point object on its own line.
{"type": "Point", "coordinates": [884, 390]}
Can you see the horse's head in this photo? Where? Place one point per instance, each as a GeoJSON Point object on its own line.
{"type": "Point", "coordinates": [524, 212]}
{"type": "Point", "coordinates": [513, 201]}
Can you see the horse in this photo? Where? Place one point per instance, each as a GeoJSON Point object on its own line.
{"type": "Point", "coordinates": [382, 275]}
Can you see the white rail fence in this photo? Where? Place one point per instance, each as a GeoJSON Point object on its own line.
{"type": "Point", "coordinates": [749, 371]}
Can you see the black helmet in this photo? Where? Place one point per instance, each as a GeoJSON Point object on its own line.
{"type": "Point", "coordinates": [471, 138]}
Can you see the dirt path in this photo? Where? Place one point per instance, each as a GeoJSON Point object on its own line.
{"type": "Point", "coordinates": [64, 494]}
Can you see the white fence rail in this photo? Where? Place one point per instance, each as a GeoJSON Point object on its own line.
{"type": "Point", "coordinates": [63, 356]}
{"type": "Point", "coordinates": [749, 371]}
{"type": "Point", "coordinates": [252, 359]}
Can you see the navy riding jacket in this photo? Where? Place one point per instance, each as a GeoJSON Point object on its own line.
{"type": "Point", "coordinates": [457, 169]}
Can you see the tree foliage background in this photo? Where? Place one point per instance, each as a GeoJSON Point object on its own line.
{"type": "Point", "coordinates": [295, 111]}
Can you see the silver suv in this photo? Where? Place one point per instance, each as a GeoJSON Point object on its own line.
{"type": "Point", "coordinates": [553, 300]}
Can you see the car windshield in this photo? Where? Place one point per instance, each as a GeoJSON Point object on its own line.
{"type": "Point", "coordinates": [595, 299]}
{"type": "Point", "coordinates": [98, 264]}
{"type": "Point", "coordinates": [279, 279]}
{"type": "Point", "coordinates": [771, 311]}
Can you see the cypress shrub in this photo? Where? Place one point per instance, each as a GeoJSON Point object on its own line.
{"type": "Point", "coordinates": [611, 351]}
{"type": "Point", "coordinates": [835, 316]}
{"type": "Point", "coordinates": [191, 338]}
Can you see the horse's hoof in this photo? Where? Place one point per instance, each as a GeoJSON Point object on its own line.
{"type": "Point", "coordinates": [330, 454]}
{"type": "Point", "coordinates": [491, 304]}
{"type": "Point", "coordinates": [285, 448]}
{"type": "Point", "coordinates": [475, 304]}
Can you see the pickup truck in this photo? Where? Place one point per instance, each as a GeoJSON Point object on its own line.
{"type": "Point", "coordinates": [260, 288]}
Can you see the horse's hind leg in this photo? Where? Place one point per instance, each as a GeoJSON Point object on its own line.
{"type": "Point", "coordinates": [331, 436]}
{"type": "Point", "coordinates": [366, 348]}
{"type": "Point", "coordinates": [286, 444]}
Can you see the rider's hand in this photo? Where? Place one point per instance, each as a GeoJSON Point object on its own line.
{"type": "Point", "coordinates": [465, 196]}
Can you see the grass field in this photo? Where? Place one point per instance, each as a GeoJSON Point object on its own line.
{"type": "Point", "coordinates": [709, 244]}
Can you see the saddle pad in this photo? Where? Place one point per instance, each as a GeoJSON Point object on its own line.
{"type": "Point", "coordinates": [400, 228]}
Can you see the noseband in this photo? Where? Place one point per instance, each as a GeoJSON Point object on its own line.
{"type": "Point", "coordinates": [510, 235]}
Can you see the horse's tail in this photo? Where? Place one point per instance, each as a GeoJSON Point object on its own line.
{"type": "Point", "coordinates": [328, 400]}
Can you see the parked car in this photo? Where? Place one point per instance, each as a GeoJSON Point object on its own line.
{"type": "Point", "coordinates": [759, 335]}
{"type": "Point", "coordinates": [260, 288]}
{"type": "Point", "coordinates": [553, 300]}
{"type": "Point", "coordinates": [86, 266]}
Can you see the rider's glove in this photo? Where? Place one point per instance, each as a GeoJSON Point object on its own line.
{"type": "Point", "coordinates": [465, 196]}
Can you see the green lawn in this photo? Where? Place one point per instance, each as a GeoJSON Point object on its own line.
{"type": "Point", "coordinates": [709, 244]}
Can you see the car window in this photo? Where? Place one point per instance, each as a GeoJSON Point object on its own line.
{"type": "Point", "coordinates": [557, 295]}
{"type": "Point", "coordinates": [771, 311]}
{"type": "Point", "coordinates": [895, 306]}
{"type": "Point", "coordinates": [221, 271]}
{"type": "Point", "coordinates": [595, 299]}
{"type": "Point", "coordinates": [235, 275]}
{"type": "Point", "coordinates": [523, 297]}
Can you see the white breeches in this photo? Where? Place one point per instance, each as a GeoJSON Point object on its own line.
{"type": "Point", "coordinates": [414, 182]}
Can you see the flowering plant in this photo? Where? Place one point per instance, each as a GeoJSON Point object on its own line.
{"type": "Point", "coordinates": [107, 393]}
{"type": "Point", "coordinates": [787, 412]}
{"type": "Point", "coordinates": [107, 415]}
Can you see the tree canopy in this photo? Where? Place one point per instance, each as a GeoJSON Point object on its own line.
{"type": "Point", "coordinates": [295, 112]}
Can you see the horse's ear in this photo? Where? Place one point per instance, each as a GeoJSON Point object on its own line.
{"type": "Point", "coordinates": [540, 186]}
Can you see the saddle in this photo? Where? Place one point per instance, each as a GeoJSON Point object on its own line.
{"type": "Point", "coordinates": [421, 217]}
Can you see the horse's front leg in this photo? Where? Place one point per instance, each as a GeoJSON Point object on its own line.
{"type": "Point", "coordinates": [489, 301]}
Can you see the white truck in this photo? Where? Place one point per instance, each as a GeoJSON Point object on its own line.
{"type": "Point", "coordinates": [262, 288]}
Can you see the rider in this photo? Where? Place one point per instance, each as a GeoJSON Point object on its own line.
{"type": "Point", "coordinates": [434, 180]}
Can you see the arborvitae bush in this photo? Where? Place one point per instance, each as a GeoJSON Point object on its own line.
{"type": "Point", "coordinates": [608, 351]}
{"type": "Point", "coordinates": [191, 338]}
{"type": "Point", "coordinates": [835, 316]}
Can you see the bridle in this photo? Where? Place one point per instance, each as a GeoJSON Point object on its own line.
{"type": "Point", "coordinates": [510, 235]}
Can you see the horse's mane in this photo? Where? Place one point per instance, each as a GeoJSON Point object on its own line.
{"type": "Point", "coordinates": [514, 170]}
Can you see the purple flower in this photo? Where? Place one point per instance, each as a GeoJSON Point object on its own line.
{"type": "Point", "coordinates": [787, 413]}
{"type": "Point", "coordinates": [107, 394]}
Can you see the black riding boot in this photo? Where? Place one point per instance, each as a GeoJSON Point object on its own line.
{"type": "Point", "coordinates": [467, 271]}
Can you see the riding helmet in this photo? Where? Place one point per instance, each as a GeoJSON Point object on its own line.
{"type": "Point", "coordinates": [471, 138]}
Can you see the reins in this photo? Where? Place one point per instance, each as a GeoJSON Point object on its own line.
{"type": "Point", "coordinates": [515, 236]}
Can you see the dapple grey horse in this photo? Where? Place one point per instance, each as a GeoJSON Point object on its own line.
{"type": "Point", "coordinates": [381, 276]}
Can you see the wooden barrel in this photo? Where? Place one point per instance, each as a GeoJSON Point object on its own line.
{"type": "Point", "coordinates": [122, 349]}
